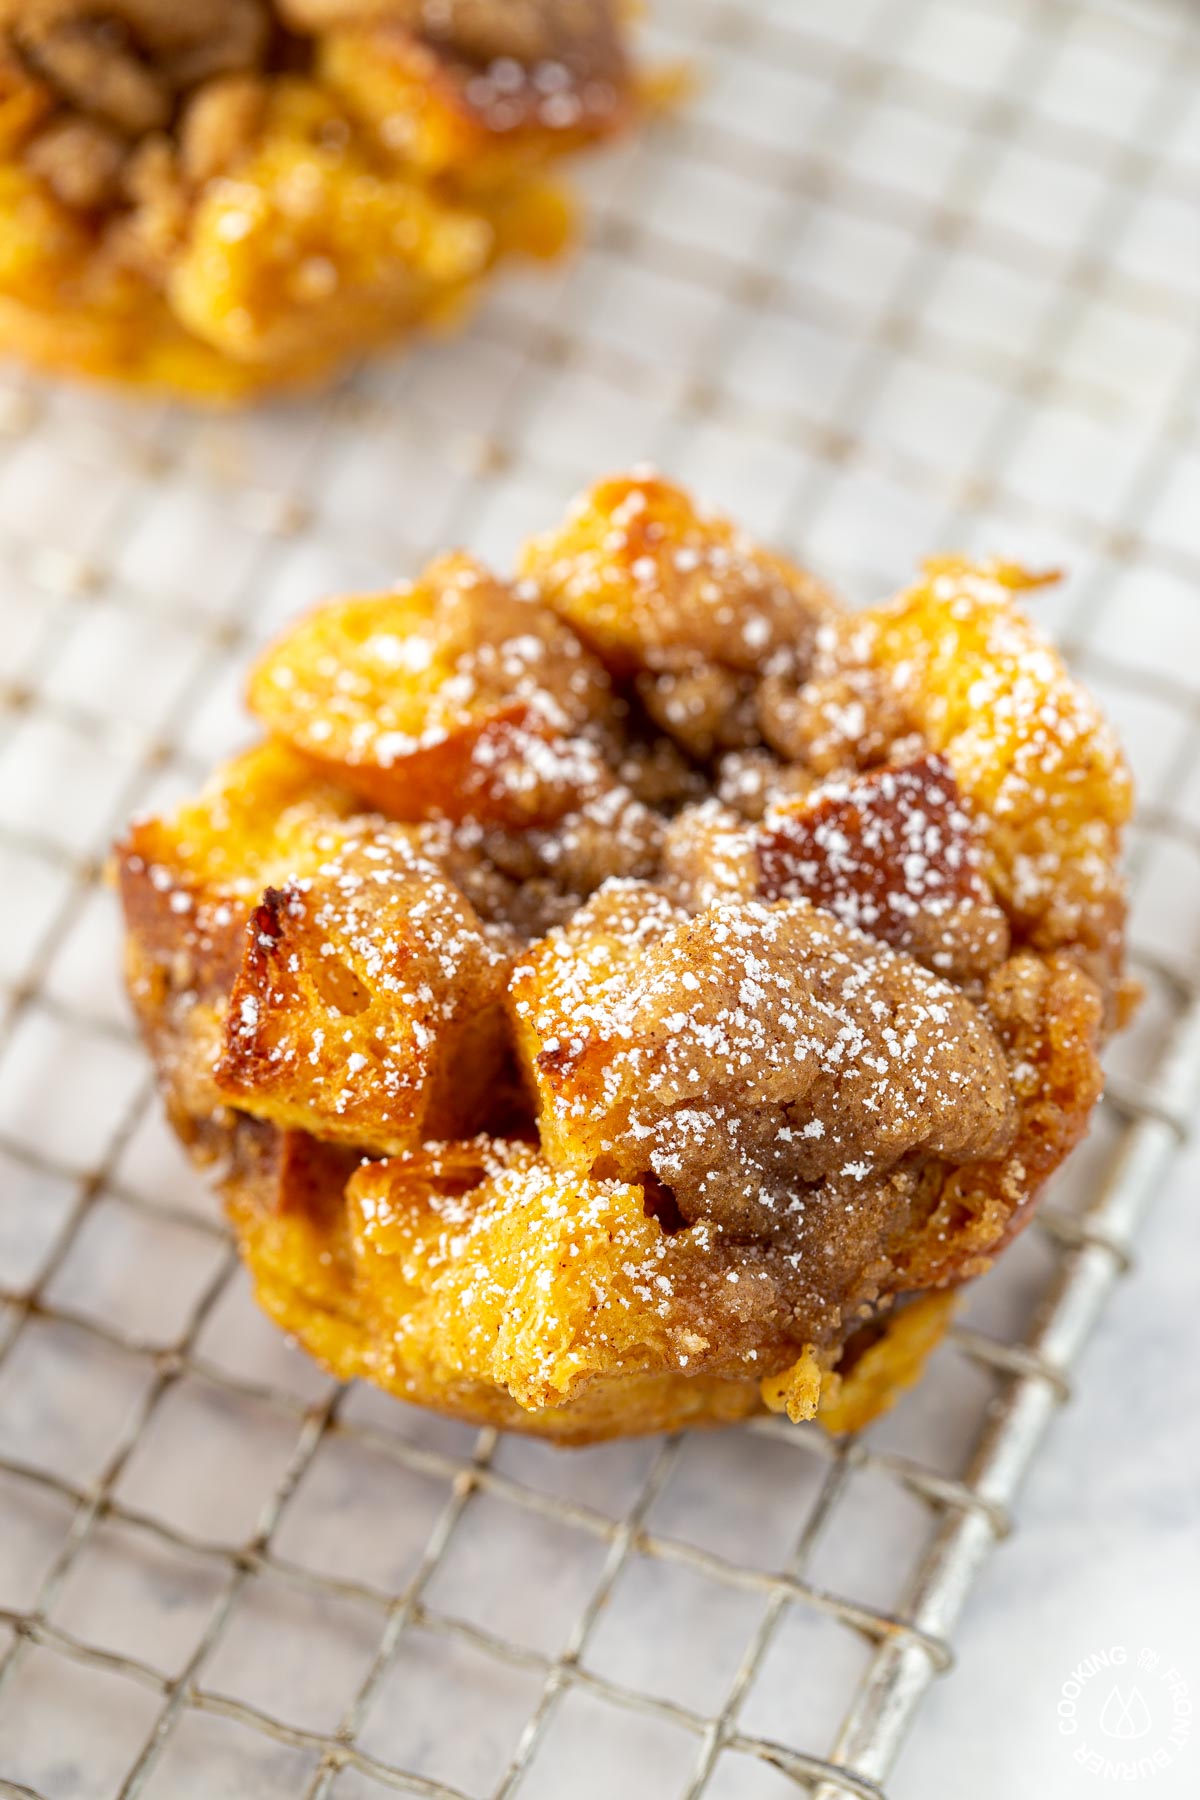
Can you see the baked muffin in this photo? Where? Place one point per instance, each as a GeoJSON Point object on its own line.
{"type": "Point", "coordinates": [638, 994]}
{"type": "Point", "coordinates": [232, 195]}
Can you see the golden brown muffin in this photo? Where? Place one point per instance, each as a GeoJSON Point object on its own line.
{"type": "Point", "coordinates": [638, 994]}
{"type": "Point", "coordinates": [233, 195]}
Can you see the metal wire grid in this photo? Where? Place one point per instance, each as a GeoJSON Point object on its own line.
{"type": "Point", "coordinates": [650, 331]}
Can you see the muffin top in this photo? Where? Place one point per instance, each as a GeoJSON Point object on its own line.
{"type": "Point", "coordinates": [736, 964]}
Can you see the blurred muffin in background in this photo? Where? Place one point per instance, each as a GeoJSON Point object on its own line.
{"type": "Point", "coordinates": [235, 195]}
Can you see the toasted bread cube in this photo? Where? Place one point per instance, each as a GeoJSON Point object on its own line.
{"type": "Point", "coordinates": [640, 572]}
{"type": "Point", "coordinates": [1030, 749]}
{"type": "Point", "coordinates": [472, 1278]}
{"type": "Point", "coordinates": [893, 853]}
{"type": "Point", "coordinates": [557, 993]}
{"type": "Point", "coordinates": [243, 829]}
{"type": "Point", "coordinates": [680, 600]}
{"type": "Point", "coordinates": [453, 698]}
{"type": "Point", "coordinates": [436, 100]}
{"type": "Point", "coordinates": [368, 1004]}
{"type": "Point", "coordinates": [480, 1262]}
{"type": "Point", "coordinates": [187, 885]}
{"type": "Point", "coordinates": [188, 881]}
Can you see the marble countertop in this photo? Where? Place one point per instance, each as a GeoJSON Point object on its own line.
{"type": "Point", "coordinates": [1106, 1555]}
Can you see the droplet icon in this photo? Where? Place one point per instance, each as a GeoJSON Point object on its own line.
{"type": "Point", "coordinates": [1125, 1715]}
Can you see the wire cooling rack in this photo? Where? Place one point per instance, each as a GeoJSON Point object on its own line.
{"type": "Point", "coordinates": [905, 275]}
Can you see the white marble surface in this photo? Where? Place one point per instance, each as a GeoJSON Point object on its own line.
{"type": "Point", "coordinates": [1107, 1553]}
{"type": "Point", "coordinates": [979, 221]}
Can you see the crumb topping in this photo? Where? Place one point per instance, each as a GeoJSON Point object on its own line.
{"type": "Point", "coordinates": [749, 1053]}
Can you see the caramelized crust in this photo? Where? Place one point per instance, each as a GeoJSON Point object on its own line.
{"type": "Point", "coordinates": [576, 1068]}
{"type": "Point", "coordinates": [222, 197]}
{"type": "Point", "coordinates": [841, 846]}
{"type": "Point", "coordinates": [368, 1003]}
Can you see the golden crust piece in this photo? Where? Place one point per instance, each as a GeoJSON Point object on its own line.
{"type": "Point", "coordinates": [372, 978]}
{"type": "Point", "coordinates": [685, 605]}
{"type": "Point", "coordinates": [455, 697]}
{"type": "Point", "coordinates": [578, 1069]}
{"type": "Point", "coordinates": [222, 198]}
{"type": "Point", "coordinates": [1039, 764]}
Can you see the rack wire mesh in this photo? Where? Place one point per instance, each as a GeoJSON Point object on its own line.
{"type": "Point", "coordinates": [906, 274]}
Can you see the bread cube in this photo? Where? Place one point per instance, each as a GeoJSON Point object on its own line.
{"type": "Point", "coordinates": [423, 78]}
{"type": "Point", "coordinates": [368, 1005]}
{"type": "Point", "coordinates": [682, 601]}
{"type": "Point", "coordinates": [892, 853]}
{"type": "Point", "coordinates": [480, 1264]}
{"type": "Point", "coordinates": [1031, 751]}
{"type": "Point", "coordinates": [453, 698]}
